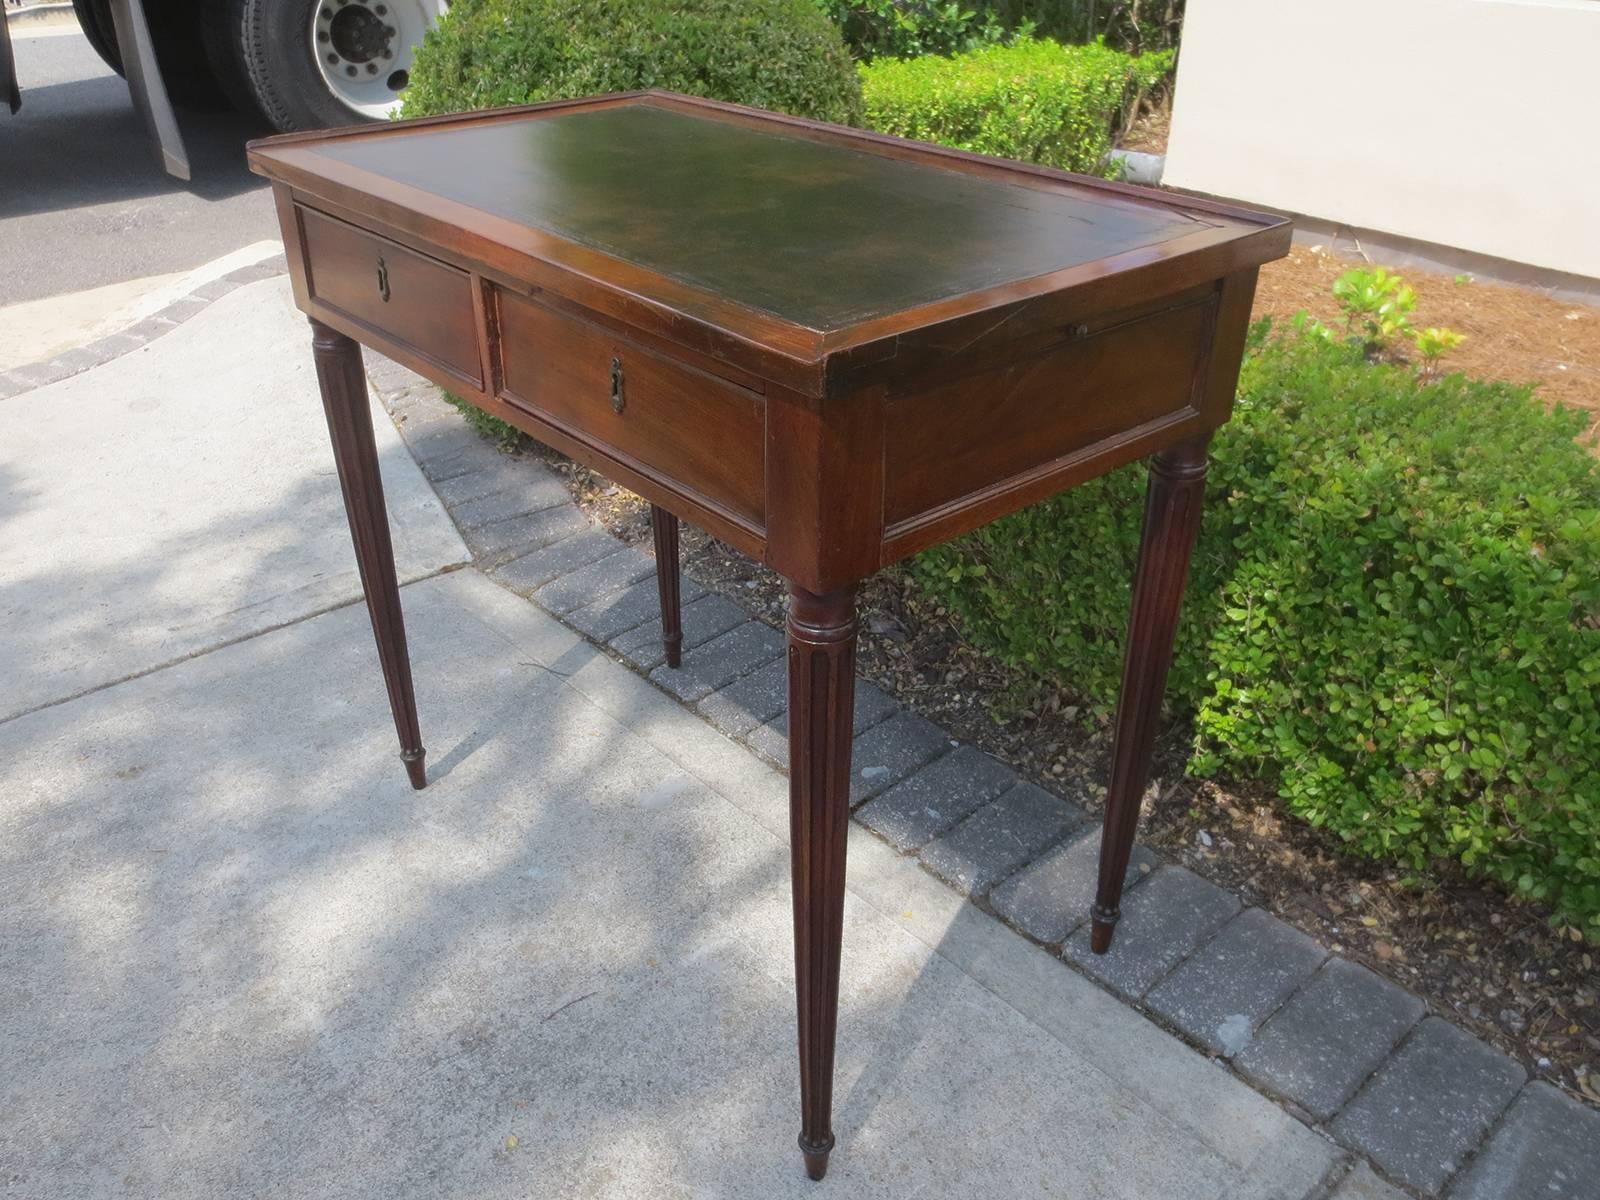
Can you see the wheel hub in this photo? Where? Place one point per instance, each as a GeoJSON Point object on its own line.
{"type": "Point", "coordinates": [363, 48]}
{"type": "Point", "coordinates": [358, 34]}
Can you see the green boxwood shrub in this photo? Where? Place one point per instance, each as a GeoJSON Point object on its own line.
{"type": "Point", "coordinates": [1146, 25]}
{"type": "Point", "coordinates": [778, 54]}
{"type": "Point", "coordinates": [1393, 617]}
{"type": "Point", "coordinates": [1036, 100]}
{"type": "Point", "coordinates": [907, 28]}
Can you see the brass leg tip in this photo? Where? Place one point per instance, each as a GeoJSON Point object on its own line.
{"type": "Point", "coordinates": [416, 767]}
{"type": "Point", "coordinates": [816, 1157]}
{"type": "Point", "coordinates": [1101, 930]}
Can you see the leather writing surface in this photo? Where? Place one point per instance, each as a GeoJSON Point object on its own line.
{"type": "Point", "coordinates": [818, 234]}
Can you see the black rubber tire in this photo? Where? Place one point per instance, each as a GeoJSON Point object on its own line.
{"type": "Point", "coordinates": [94, 17]}
{"type": "Point", "coordinates": [219, 30]}
{"type": "Point", "coordinates": [269, 43]}
{"type": "Point", "coordinates": [175, 30]}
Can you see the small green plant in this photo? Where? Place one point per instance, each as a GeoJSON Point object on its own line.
{"type": "Point", "coordinates": [1433, 344]}
{"type": "Point", "coordinates": [1377, 306]}
{"type": "Point", "coordinates": [507, 437]}
{"type": "Point", "coordinates": [1037, 100]}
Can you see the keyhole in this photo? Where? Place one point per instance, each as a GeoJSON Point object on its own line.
{"type": "Point", "coordinates": [618, 400]}
{"type": "Point", "coordinates": [383, 280]}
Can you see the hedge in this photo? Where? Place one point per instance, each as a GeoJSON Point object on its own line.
{"type": "Point", "coordinates": [1038, 101]}
{"type": "Point", "coordinates": [901, 29]}
{"type": "Point", "coordinates": [1393, 617]}
{"type": "Point", "coordinates": [907, 28]}
{"type": "Point", "coordinates": [778, 54]}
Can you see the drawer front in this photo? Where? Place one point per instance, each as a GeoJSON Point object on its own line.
{"type": "Point", "coordinates": [673, 422]}
{"type": "Point", "coordinates": [953, 440]}
{"type": "Point", "coordinates": [418, 302]}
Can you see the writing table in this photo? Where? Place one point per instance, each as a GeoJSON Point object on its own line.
{"type": "Point", "coordinates": [829, 348]}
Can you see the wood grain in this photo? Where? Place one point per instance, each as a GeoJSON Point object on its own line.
{"type": "Point", "coordinates": [822, 674]}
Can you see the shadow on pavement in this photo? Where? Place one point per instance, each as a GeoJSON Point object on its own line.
{"type": "Point", "coordinates": [80, 143]}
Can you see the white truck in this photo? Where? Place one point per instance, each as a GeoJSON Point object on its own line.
{"type": "Point", "coordinates": [303, 64]}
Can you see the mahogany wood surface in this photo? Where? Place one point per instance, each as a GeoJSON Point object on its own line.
{"type": "Point", "coordinates": [632, 403]}
{"type": "Point", "coordinates": [822, 673]}
{"type": "Point", "coordinates": [829, 348]}
{"type": "Point", "coordinates": [1171, 524]}
{"type": "Point", "coordinates": [343, 382]}
{"type": "Point", "coordinates": [664, 532]}
{"type": "Point", "coordinates": [384, 286]}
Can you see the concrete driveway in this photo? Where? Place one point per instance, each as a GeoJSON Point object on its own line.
{"type": "Point", "coordinates": [240, 957]}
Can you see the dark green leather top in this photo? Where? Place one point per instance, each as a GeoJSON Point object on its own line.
{"type": "Point", "coordinates": [820, 235]}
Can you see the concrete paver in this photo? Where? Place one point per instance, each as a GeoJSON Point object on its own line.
{"type": "Point", "coordinates": [1320, 1046]}
{"type": "Point", "coordinates": [1222, 992]}
{"type": "Point", "coordinates": [872, 706]}
{"type": "Point", "coordinates": [998, 838]}
{"type": "Point", "coordinates": [1426, 1108]}
{"type": "Point", "coordinates": [1547, 1148]}
{"type": "Point", "coordinates": [1050, 897]}
{"type": "Point", "coordinates": [703, 618]}
{"type": "Point", "coordinates": [713, 664]}
{"type": "Point", "coordinates": [944, 792]}
{"type": "Point", "coordinates": [1162, 922]}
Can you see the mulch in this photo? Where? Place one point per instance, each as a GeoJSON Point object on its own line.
{"type": "Point", "coordinates": [1516, 334]}
{"type": "Point", "coordinates": [1489, 962]}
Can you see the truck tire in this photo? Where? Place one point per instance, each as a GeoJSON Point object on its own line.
{"type": "Point", "coordinates": [94, 17]}
{"type": "Point", "coordinates": [175, 30]}
{"type": "Point", "coordinates": [309, 64]}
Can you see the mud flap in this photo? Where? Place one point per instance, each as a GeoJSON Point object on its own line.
{"type": "Point", "coordinates": [8, 68]}
{"type": "Point", "coordinates": [145, 87]}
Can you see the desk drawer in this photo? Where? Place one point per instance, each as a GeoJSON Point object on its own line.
{"type": "Point", "coordinates": [954, 439]}
{"type": "Point", "coordinates": [664, 418]}
{"type": "Point", "coordinates": [417, 302]}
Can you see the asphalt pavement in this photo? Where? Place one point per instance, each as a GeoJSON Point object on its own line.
{"type": "Point", "coordinates": [83, 200]}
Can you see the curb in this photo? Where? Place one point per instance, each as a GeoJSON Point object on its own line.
{"type": "Point", "coordinates": [81, 358]}
{"type": "Point", "coordinates": [42, 15]}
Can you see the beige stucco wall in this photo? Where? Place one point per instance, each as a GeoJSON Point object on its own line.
{"type": "Point", "coordinates": [1470, 123]}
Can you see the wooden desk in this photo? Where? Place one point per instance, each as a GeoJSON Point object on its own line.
{"type": "Point", "coordinates": [830, 349]}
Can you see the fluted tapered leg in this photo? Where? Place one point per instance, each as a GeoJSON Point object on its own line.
{"type": "Point", "coordinates": [664, 528]}
{"type": "Point", "coordinates": [355, 453]}
{"type": "Point", "coordinates": [1171, 523]}
{"type": "Point", "coordinates": [822, 653]}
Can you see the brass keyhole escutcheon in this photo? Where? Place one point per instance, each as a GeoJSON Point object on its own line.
{"type": "Point", "coordinates": [383, 279]}
{"type": "Point", "coordinates": [619, 400]}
